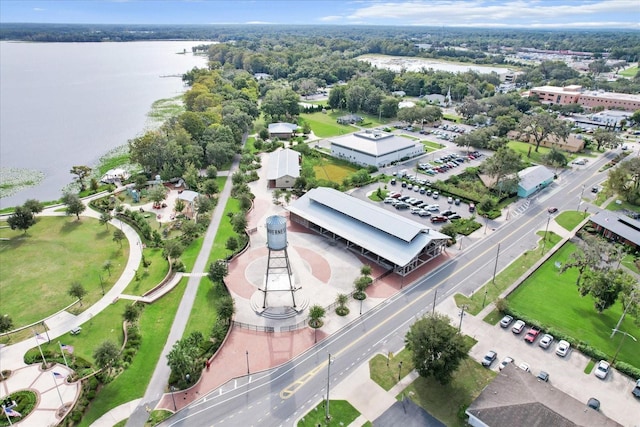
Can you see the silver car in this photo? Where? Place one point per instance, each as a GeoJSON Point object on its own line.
{"type": "Point", "coordinates": [546, 341]}
{"type": "Point", "coordinates": [563, 348]}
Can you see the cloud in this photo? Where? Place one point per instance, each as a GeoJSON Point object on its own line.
{"type": "Point", "coordinates": [485, 13]}
{"type": "Point", "coordinates": [330, 18]}
{"type": "Point", "coordinates": [259, 23]}
{"type": "Point", "coordinates": [38, 9]}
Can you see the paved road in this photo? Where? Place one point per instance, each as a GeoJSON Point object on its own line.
{"type": "Point", "coordinates": [281, 395]}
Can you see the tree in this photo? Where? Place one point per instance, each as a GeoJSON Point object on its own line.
{"type": "Point", "coordinates": [6, 323]}
{"type": "Point", "coordinates": [450, 230]}
{"type": "Point", "coordinates": [316, 313]}
{"type": "Point", "coordinates": [503, 163]}
{"type": "Point", "coordinates": [179, 206]}
{"type": "Point", "coordinates": [437, 348]}
{"type": "Point", "coordinates": [81, 172]}
{"type": "Point", "coordinates": [365, 270]}
{"type": "Point", "coordinates": [341, 301]}
{"type": "Point", "coordinates": [232, 244]}
{"type": "Point", "coordinates": [34, 206]}
{"type": "Point", "coordinates": [587, 255]}
{"type": "Point", "coordinates": [173, 249]}
{"type": "Point", "coordinates": [604, 286]}
{"type": "Point", "coordinates": [225, 308]}
{"type": "Point", "coordinates": [281, 104]}
{"type": "Point", "coordinates": [218, 270]}
{"type": "Point", "coordinates": [361, 284]}
{"type": "Point", "coordinates": [74, 205]}
{"type": "Point", "coordinates": [469, 107]}
{"type": "Point", "coordinates": [184, 358]}
{"type": "Point", "coordinates": [157, 194]}
{"type": "Point", "coordinates": [106, 354]}
{"type": "Point", "coordinates": [555, 158]}
{"type": "Point", "coordinates": [76, 290]}
{"type": "Point", "coordinates": [539, 127]}
{"type": "Point", "coordinates": [605, 138]}
{"type": "Point", "coordinates": [132, 312]}
{"type": "Point", "coordinates": [21, 219]}
{"type": "Point", "coordinates": [105, 217]}
{"type": "Point", "coordinates": [119, 236]}
{"type": "Point", "coordinates": [107, 266]}
{"type": "Point", "coordinates": [239, 222]}
{"type": "Point", "coordinates": [209, 187]}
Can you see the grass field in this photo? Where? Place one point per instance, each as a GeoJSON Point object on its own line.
{"type": "Point", "coordinates": [325, 125]}
{"type": "Point", "coordinates": [432, 145]}
{"type": "Point", "coordinates": [536, 157]}
{"type": "Point", "coordinates": [342, 413]}
{"type": "Point", "coordinates": [569, 219]}
{"type": "Point", "coordinates": [155, 323]}
{"type": "Point", "coordinates": [225, 230]}
{"type": "Point", "coordinates": [629, 72]}
{"type": "Point", "coordinates": [448, 403]}
{"type": "Point", "coordinates": [383, 369]}
{"type": "Point", "coordinates": [55, 252]}
{"type": "Point", "coordinates": [506, 278]}
{"type": "Point", "coordinates": [330, 169]}
{"type": "Point", "coordinates": [570, 313]}
{"type": "Point", "coordinates": [629, 262]}
{"type": "Point", "coordinates": [203, 315]}
{"type": "Point", "coordinates": [623, 205]}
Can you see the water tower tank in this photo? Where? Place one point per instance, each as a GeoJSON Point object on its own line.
{"type": "Point", "coordinates": [276, 233]}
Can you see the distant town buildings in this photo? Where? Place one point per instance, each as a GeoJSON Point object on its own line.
{"type": "Point", "coordinates": [574, 94]}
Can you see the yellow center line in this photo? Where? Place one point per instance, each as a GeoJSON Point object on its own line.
{"type": "Point", "coordinates": [291, 389]}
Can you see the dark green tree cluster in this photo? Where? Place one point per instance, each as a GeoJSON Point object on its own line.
{"type": "Point", "coordinates": [23, 217]}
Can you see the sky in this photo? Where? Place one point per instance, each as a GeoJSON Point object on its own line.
{"type": "Point", "coordinates": [537, 14]}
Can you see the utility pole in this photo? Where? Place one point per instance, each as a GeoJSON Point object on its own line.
{"type": "Point", "coordinates": [544, 239]}
{"type": "Point", "coordinates": [495, 267]}
{"type": "Point", "coordinates": [326, 407]}
{"type": "Point", "coordinates": [580, 198]}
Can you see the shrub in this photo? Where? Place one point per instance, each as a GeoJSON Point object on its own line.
{"type": "Point", "coordinates": [627, 369]}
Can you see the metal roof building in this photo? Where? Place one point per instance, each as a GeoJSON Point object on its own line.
{"type": "Point", "coordinates": [390, 240]}
{"type": "Point", "coordinates": [618, 227]}
{"type": "Point", "coordinates": [283, 169]}
{"type": "Point", "coordinates": [532, 179]}
{"type": "Point", "coordinates": [374, 148]}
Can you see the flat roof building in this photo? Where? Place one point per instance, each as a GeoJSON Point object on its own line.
{"type": "Point", "coordinates": [392, 241]}
{"type": "Point", "coordinates": [374, 148]}
{"type": "Point", "coordinates": [283, 169]}
{"type": "Point", "coordinates": [574, 94]}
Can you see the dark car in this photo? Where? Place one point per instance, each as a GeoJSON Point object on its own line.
{"type": "Point", "coordinates": [636, 389]}
{"type": "Point", "coordinates": [594, 403]}
{"type": "Point", "coordinates": [472, 207]}
{"type": "Point", "coordinates": [488, 358]}
{"type": "Point", "coordinates": [594, 189]}
{"type": "Point", "coordinates": [447, 212]}
{"type": "Point", "coordinates": [439, 218]}
{"type": "Point", "coordinates": [543, 376]}
{"type": "Point", "coordinates": [552, 210]}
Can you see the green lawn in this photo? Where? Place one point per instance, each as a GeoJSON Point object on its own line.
{"type": "Point", "coordinates": [613, 206]}
{"type": "Point", "coordinates": [325, 125]}
{"type": "Point", "coordinates": [629, 72]}
{"type": "Point", "coordinates": [448, 403]}
{"type": "Point", "coordinates": [629, 261]}
{"type": "Point", "coordinates": [342, 413]}
{"type": "Point", "coordinates": [331, 169]}
{"type": "Point", "coordinates": [155, 323]}
{"type": "Point", "coordinates": [383, 369]}
{"type": "Point", "coordinates": [225, 230]}
{"type": "Point", "coordinates": [571, 314]}
{"type": "Point", "coordinates": [203, 314]}
{"type": "Point", "coordinates": [430, 144]}
{"type": "Point", "coordinates": [536, 157]}
{"type": "Point", "coordinates": [55, 252]}
{"type": "Point", "coordinates": [569, 219]}
{"type": "Point", "coordinates": [151, 276]}
{"type": "Point", "coordinates": [506, 277]}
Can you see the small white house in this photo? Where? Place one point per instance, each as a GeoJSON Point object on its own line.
{"type": "Point", "coordinates": [283, 169]}
{"type": "Point", "coordinates": [114, 175]}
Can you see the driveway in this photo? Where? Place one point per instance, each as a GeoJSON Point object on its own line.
{"type": "Point", "coordinates": [566, 374]}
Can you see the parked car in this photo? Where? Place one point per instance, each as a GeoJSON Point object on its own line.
{"type": "Point", "coordinates": [422, 212]}
{"type": "Point", "coordinates": [506, 321]}
{"type": "Point", "coordinates": [602, 369]}
{"type": "Point", "coordinates": [456, 202]}
{"type": "Point", "coordinates": [435, 195]}
{"type": "Point", "coordinates": [552, 210]}
{"type": "Point", "coordinates": [531, 335]}
{"type": "Point", "coordinates": [594, 189]}
{"type": "Point", "coordinates": [594, 403]}
{"type": "Point", "coordinates": [543, 376]}
{"type": "Point", "coordinates": [393, 181]}
{"type": "Point", "coordinates": [439, 218]}
{"type": "Point", "coordinates": [524, 366]}
{"type": "Point", "coordinates": [636, 389]}
{"type": "Point", "coordinates": [488, 358]}
{"type": "Point", "coordinates": [518, 327]}
{"type": "Point", "coordinates": [545, 341]}
{"type": "Point", "coordinates": [447, 212]}
{"type": "Point", "coordinates": [454, 216]}
{"type": "Point", "coordinates": [505, 362]}
{"type": "Point", "coordinates": [402, 206]}
{"type": "Point", "coordinates": [433, 208]}
{"type": "Point", "coordinates": [562, 349]}
{"type": "Point", "coordinates": [472, 207]}
{"type": "Point", "coordinates": [388, 200]}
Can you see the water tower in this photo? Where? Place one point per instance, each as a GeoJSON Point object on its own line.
{"type": "Point", "coordinates": [279, 274]}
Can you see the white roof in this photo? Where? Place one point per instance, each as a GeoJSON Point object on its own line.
{"type": "Point", "coordinates": [532, 176]}
{"type": "Point", "coordinates": [283, 127]}
{"type": "Point", "coordinates": [188, 195]}
{"type": "Point", "coordinates": [282, 163]}
{"type": "Point", "coordinates": [374, 143]}
{"type": "Point", "coordinates": [393, 237]}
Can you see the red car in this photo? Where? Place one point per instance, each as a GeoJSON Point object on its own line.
{"type": "Point", "coordinates": [552, 210]}
{"type": "Point", "coordinates": [439, 218]}
{"type": "Point", "coordinates": [532, 334]}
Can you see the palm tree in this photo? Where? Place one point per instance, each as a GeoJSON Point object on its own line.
{"type": "Point", "coordinates": [316, 313]}
{"type": "Point", "coordinates": [341, 300]}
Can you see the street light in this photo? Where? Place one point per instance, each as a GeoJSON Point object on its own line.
{"type": "Point", "coordinates": [247, 354]}
{"type": "Point", "coordinates": [544, 239]}
{"type": "Point", "coordinates": [399, 370]}
{"type": "Point", "coordinates": [175, 408]}
{"type": "Point", "coordinates": [326, 407]}
{"type": "Point", "coordinates": [580, 198]}
{"type": "Point", "coordinates": [463, 308]}
{"type": "Point", "coordinates": [621, 341]}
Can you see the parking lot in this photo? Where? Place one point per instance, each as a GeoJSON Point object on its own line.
{"type": "Point", "coordinates": [565, 373]}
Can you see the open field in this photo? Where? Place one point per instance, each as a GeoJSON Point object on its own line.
{"type": "Point", "coordinates": [570, 313]}
{"type": "Point", "coordinates": [629, 72]}
{"type": "Point", "coordinates": [55, 252]}
{"type": "Point", "coordinates": [330, 169]}
{"type": "Point", "coordinates": [342, 414]}
{"type": "Point", "coordinates": [155, 323]}
{"type": "Point", "coordinates": [535, 157]}
{"type": "Point", "coordinates": [570, 219]}
{"type": "Point", "coordinates": [149, 277]}
{"type": "Point", "coordinates": [623, 205]}
{"type": "Point", "coordinates": [325, 125]}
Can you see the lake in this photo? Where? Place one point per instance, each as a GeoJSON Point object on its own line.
{"type": "Point", "coordinates": [66, 104]}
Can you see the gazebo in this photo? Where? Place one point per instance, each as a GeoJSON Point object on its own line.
{"type": "Point", "coordinates": [189, 197]}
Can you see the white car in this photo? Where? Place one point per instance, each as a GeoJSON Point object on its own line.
{"type": "Point", "coordinates": [518, 327]}
{"type": "Point", "coordinates": [524, 367]}
{"type": "Point", "coordinates": [505, 362]}
{"type": "Point", "coordinates": [432, 208]}
{"type": "Point", "coordinates": [602, 369]}
{"type": "Point", "coordinates": [562, 349]}
{"type": "Point", "coordinates": [388, 200]}
{"type": "Point", "coordinates": [546, 341]}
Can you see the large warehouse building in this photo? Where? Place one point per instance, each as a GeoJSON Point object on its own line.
{"type": "Point", "coordinates": [392, 241]}
{"type": "Point", "coordinates": [374, 148]}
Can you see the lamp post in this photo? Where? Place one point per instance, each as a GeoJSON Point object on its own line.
{"type": "Point", "coordinates": [175, 408]}
{"type": "Point", "coordinates": [625, 334]}
{"type": "Point", "coordinates": [463, 308]}
{"type": "Point", "coordinates": [544, 239]}
{"type": "Point", "coordinates": [326, 407]}
{"type": "Point", "coordinates": [246, 352]}
{"type": "Point", "coordinates": [495, 266]}
{"type": "Point", "coordinates": [580, 198]}
{"type": "Point", "coordinates": [399, 370]}
{"type": "Point", "coordinates": [361, 307]}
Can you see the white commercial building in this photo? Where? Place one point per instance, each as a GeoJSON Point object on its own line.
{"type": "Point", "coordinates": [374, 148]}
